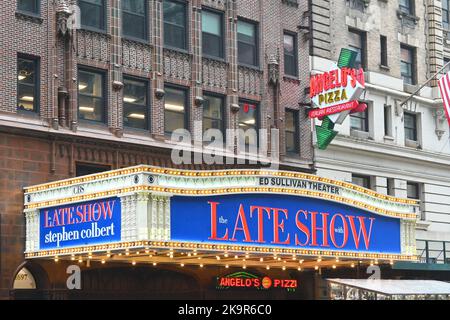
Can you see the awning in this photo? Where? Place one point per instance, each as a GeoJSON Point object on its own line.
{"type": "Point", "coordinates": [396, 287]}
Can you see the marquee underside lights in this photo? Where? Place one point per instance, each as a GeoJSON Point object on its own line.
{"type": "Point", "coordinates": [239, 217]}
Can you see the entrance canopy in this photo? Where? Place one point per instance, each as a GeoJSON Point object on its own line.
{"type": "Point", "coordinates": [255, 218]}
{"type": "Point", "coordinates": [376, 289]}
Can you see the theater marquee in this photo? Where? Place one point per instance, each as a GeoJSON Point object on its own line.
{"type": "Point", "coordinates": [236, 212]}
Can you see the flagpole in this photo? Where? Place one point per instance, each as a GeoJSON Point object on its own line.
{"type": "Point", "coordinates": [422, 86]}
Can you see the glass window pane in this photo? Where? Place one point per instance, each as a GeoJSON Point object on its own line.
{"type": "Point", "coordinates": [26, 97]}
{"type": "Point", "coordinates": [27, 81]}
{"type": "Point", "coordinates": [174, 36]}
{"type": "Point", "coordinates": [248, 121]}
{"type": "Point", "coordinates": [247, 54]}
{"type": "Point", "coordinates": [413, 191]}
{"type": "Point", "coordinates": [134, 6]}
{"type": "Point", "coordinates": [212, 45]}
{"type": "Point", "coordinates": [211, 23]}
{"type": "Point", "coordinates": [246, 31]}
{"type": "Point", "coordinates": [174, 106]}
{"type": "Point", "coordinates": [213, 113]}
{"type": "Point", "coordinates": [175, 13]}
{"type": "Point", "coordinates": [90, 108]}
{"type": "Point", "coordinates": [289, 44]}
{"type": "Point", "coordinates": [406, 55]}
{"type": "Point", "coordinates": [134, 26]}
{"type": "Point", "coordinates": [90, 95]}
{"type": "Point", "coordinates": [92, 15]}
{"type": "Point", "coordinates": [135, 111]}
{"type": "Point", "coordinates": [28, 5]}
{"type": "Point", "coordinates": [26, 71]}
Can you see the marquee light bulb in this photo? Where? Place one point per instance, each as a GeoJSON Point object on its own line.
{"type": "Point", "coordinates": [244, 267]}
{"type": "Point", "coordinates": [103, 261]}
{"type": "Point", "coordinates": [182, 265]}
{"type": "Point", "coordinates": [316, 268]}
{"type": "Point", "coordinates": [352, 265]}
{"type": "Point", "coordinates": [261, 259]}
{"type": "Point", "coordinates": [334, 266]}
{"type": "Point", "coordinates": [227, 266]}
{"type": "Point", "coordinates": [201, 266]}
{"type": "Point", "coordinates": [268, 268]}
{"type": "Point", "coordinates": [299, 269]}
{"type": "Point", "coordinates": [154, 263]}
{"type": "Point", "coordinates": [284, 268]}
{"type": "Point", "coordinates": [80, 260]}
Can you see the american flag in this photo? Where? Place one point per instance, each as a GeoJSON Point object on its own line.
{"type": "Point", "coordinates": [444, 87]}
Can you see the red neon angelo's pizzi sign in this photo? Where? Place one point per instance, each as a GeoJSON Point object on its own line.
{"type": "Point", "coordinates": [248, 280]}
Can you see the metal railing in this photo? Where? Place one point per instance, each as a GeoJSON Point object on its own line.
{"type": "Point", "coordinates": [433, 252]}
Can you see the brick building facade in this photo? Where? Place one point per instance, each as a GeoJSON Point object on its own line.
{"type": "Point", "coordinates": [51, 142]}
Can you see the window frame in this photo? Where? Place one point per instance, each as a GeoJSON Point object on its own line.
{"type": "Point", "coordinates": [186, 26]}
{"type": "Point", "coordinates": [147, 106]}
{"type": "Point", "coordinates": [37, 82]}
{"type": "Point", "coordinates": [295, 38]}
{"type": "Point", "coordinates": [104, 6]}
{"type": "Point", "coordinates": [416, 127]}
{"type": "Point", "coordinates": [446, 13]}
{"type": "Point", "coordinates": [367, 179]}
{"type": "Point", "coordinates": [365, 118]}
{"type": "Point", "coordinates": [412, 51]}
{"type": "Point", "coordinates": [146, 21]}
{"type": "Point", "coordinates": [362, 37]}
{"type": "Point", "coordinates": [257, 64]}
{"type": "Point", "coordinates": [418, 190]}
{"type": "Point", "coordinates": [104, 97]}
{"type": "Point", "coordinates": [243, 101]}
{"type": "Point", "coordinates": [409, 9]}
{"type": "Point", "coordinates": [384, 59]}
{"type": "Point", "coordinates": [296, 132]}
{"type": "Point", "coordinates": [222, 111]}
{"type": "Point", "coordinates": [36, 13]}
{"type": "Point", "coordinates": [186, 105]}
{"type": "Point", "coordinates": [221, 14]}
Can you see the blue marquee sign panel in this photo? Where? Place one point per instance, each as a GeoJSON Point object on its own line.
{"type": "Point", "coordinates": [80, 224]}
{"type": "Point", "coordinates": [282, 221]}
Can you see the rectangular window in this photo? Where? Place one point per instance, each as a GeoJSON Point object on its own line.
{"type": "Point", "coordinates": [292, 136]}
{"type": "Point", "coordinates": [135, 103]}
{"type": "Point", "coordinates": [84, 169]}
{"type": "Point", "coordinates": [360, 121]}
{"type": "Point", "coordinates": [134, 19]}
{"type": "Point", "coordinates": [362, 181]}
{"type": "Point", "coordinates": [391, 187]}
{"type": "Point", "coordinates": [213, 113]}
{"type": "Point", "coordinates": [175, 109]}
{"type": "Point", "coordinates": [410, 126]}
{"type": "Point", "coordinates": [91, 95]}
{"type": "Point", "coordinates": [93, 14]}
{"type": "Point", "coordinates": [407, 65]}
{"type": "Point", "coordinates": [413, 190]}
{"type": "Point", "coordinates": [388, 121]}
{"type": "Point", "coordinates": [175, 29]}
{"type": "Point", "coordinates": [407, 6]}
{"type": "Point", "coordinates": [383, 51]}
{"type": "Point", "coordinates": [358, 44]}
{"type": "Point", "coordinates": [28, 83]}
{"type": "Point", "coordinates": [248, 121]}
{"type": "Point", "coordinates": [445, 13]}
{"type": "Point", "coordinates": [247, 43]}
{"type": "Point", "coordinates": [290, 54]}
{"type": "Point", "coordinates": [447, 69]}
{"type": "Point", "coordinates": [212, 33]}
{"type": "Point", "coordinates": [31, 6]}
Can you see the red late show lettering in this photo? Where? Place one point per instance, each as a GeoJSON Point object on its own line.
{"type": "Point", "coordinates": [260, 214]}
{"type": "Point", "coordinates": [344, 226]}
{"type": "Point", "coordinates": [244, 225]}
{"type": "Point", "coordinates": [79, 214]}
{"type": "Point", "coordinates": [302, 228]}
{"type": "Point", "coordinates": [324, 229]}
{"type": "Point", "coordinates": [277, 226]}
{"type": "Point", "coordinates": [307, 226]}
{"type": "Point", "coordinates": [362, 228]}
{"type": "Point", "coordinates": [214, 223]}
